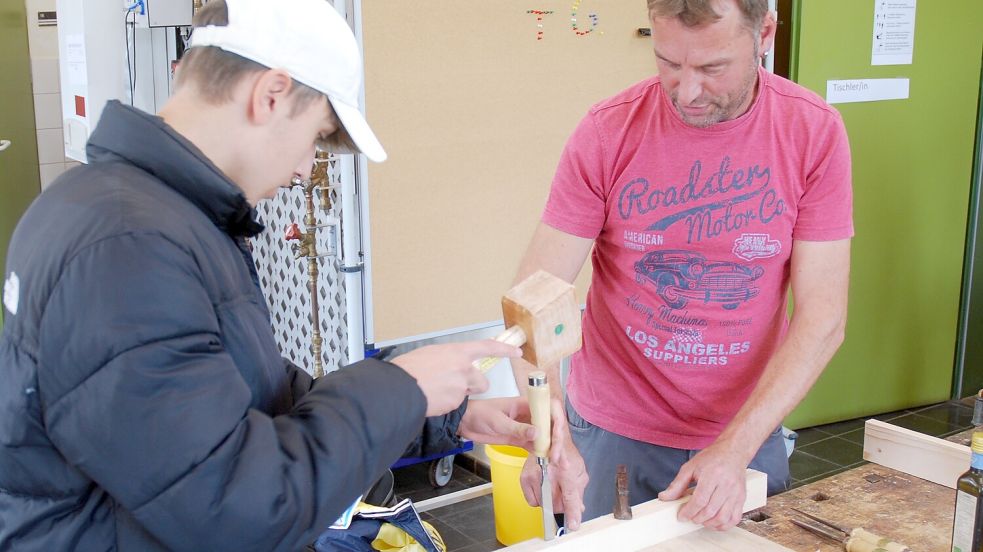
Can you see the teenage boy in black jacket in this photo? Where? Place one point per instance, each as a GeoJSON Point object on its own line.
{"type": "Point", "coordinates": [145, 405]}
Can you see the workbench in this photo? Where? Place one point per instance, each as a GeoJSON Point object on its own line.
{"type": "Point", "coordinates": [890, 503]}
{"type": "Point", "coordinates": [893, 504]}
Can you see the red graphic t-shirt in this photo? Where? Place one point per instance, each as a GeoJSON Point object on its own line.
{"type": "Point", "coordinates": [693, 231]}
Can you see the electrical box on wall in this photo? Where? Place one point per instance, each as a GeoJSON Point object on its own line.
{"type": "Point", "coordinates": [160, 13]}
{"type": "Point", "coordinates": [169, 13]}
{"type": "Point", "coordinates": [115, 51]}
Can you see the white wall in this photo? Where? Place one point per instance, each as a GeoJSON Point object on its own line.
{"type": "Point", "coordinates": [43, 43]}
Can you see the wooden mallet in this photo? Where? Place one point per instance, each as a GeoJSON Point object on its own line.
{"type": "Point", "coordinates": [541, 316]}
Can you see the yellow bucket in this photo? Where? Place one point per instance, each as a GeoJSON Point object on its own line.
{"type": "Point", "coordinates": [515, 520]}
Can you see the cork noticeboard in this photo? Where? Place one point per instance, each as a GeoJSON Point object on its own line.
{"type": "Point", "coordinates": [474, 106]}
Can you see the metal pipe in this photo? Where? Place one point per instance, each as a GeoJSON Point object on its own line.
{"type": "Point", "coordinates": [308, 247]}
{"type": "Point", "coordinates": [361, 178]}
{"type": "Point", "coordinates": [351, 259]}
{"type": "Point", "coordinates": [310, 220]}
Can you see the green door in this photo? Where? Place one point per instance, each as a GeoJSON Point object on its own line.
{"type": "Point", "coordinates": [20, 182]}
{"type": "Point", "coordinates": [912, 165]}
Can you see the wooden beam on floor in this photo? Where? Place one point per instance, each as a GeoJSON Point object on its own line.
{"type": "Point", "coordinates": [653, 522]}
{"type": "Point", "coordinates": [453, 498]}
{"type": "Point", "coordinates": [917, 454]}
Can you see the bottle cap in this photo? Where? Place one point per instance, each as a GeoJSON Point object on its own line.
{"type": "Point", "coordinates": [978, 442]}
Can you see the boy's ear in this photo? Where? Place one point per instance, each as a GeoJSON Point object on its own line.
{"type": "Point", "coordinates": [269, 94]}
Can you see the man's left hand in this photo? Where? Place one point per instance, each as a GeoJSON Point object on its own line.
{"type": "Point", "coordinates": [718, 500]}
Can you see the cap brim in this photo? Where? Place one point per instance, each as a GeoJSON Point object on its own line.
{"type": "Point", "coordinates": [356, 126]}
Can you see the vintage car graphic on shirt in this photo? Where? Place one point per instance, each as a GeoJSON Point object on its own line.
{"type": "Point", "coordinates": [680, 276]}
{"type": "Point", "coordinates": [756, 246]}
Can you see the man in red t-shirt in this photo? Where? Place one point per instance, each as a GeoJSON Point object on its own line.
{"type": "Point", "coordinates": [706, 192]}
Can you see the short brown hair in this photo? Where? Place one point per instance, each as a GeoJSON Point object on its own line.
{"type": "Point", "coordinates": [696, 13]}
{"type": "Point", "coordinates": [216, 72]}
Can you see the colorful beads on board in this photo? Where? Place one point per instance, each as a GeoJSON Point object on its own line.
{"type": "Point", "coordinates": [539, 21]}
{"type": "Point", "coordinates": [574, 9]}
{"type": "Point", "coordinates": [573, 20]}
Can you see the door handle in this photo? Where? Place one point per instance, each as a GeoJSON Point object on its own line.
{"type": "Point", "coordinates": [4, 144]}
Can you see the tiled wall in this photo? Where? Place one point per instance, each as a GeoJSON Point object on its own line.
{"type": "Point", "coordinates": [43, 42]}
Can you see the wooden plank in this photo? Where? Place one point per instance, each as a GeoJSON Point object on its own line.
{"type": "Point", "coordinates": [654, 522]}
{"type": "Point", "coordinates": [735, 539]}
{"type": "Point", "coordinates": [924, 456]}
{"type": "Point", "coordinates": [890, 503]}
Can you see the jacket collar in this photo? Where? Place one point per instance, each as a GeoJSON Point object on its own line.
{"type": "Point", "coordinates": [147, 142]}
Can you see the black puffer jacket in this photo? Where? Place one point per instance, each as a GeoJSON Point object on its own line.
{"type": "Point", "coordinates": [144, 403]}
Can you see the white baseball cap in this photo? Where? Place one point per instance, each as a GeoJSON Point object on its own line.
{"type": "Point", "coordinates": [309, 40]}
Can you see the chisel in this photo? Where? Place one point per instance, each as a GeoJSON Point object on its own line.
{"type": "Point", "coordinates": [539, 408]}
{"type": "Point", "coordinates": [622, 506]}
{"type": "Point", "coordinates": [853, 540]}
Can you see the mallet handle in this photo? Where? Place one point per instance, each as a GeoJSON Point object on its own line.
{"type": "Point", "coordinates": [513, 336]}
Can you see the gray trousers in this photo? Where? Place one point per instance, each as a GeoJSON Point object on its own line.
{"type": "Point", "coordinates": [651, 467]}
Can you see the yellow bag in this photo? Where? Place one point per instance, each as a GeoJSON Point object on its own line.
{"type": "Point", "coordinates": [371, 528]}
{"type": "Point", "coordinates": [394, 539]}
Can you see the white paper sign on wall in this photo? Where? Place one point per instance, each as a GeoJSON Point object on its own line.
{"type": "Point", "coordinates": [894, 32]}
{"type": "Point", "coordinates": [866, 90]}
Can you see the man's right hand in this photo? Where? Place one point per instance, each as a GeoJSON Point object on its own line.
{"type": "Point", "coordinates": [445, 373]}
{"type": "Point", "coordinates": [568, 474]}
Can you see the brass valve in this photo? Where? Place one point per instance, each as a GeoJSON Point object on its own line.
{"type": "Point", "coordinates": [306, 247]}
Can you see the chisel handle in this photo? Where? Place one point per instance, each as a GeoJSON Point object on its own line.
{"type": "Point", "coordinates": [539, 408]}
{"type": "Point", "coordinates": [861, 540]}
{"type": "Point", "coordinates": [514, 336]}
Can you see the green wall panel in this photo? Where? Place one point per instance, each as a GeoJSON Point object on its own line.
{"type": "Point", "coordinates": [912, 163]}
{"type": "Point", "coordinates": [19, 178]}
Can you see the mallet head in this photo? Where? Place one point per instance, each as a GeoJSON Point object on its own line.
{"type": "Point", "coordinates": [546, 309]}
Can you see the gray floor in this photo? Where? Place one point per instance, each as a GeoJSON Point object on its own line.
{"type": "Point", "coordinates": [468, 526]}
{"type": "Point", "coordinates": [825, 450]}
{"type": "Point", "coordinates": [820, 452]}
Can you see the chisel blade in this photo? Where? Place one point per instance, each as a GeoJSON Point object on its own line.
{"type": "Point", "coordinates": [622, 506]}
{"type": "Point", "coordinates": [549, 522]}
